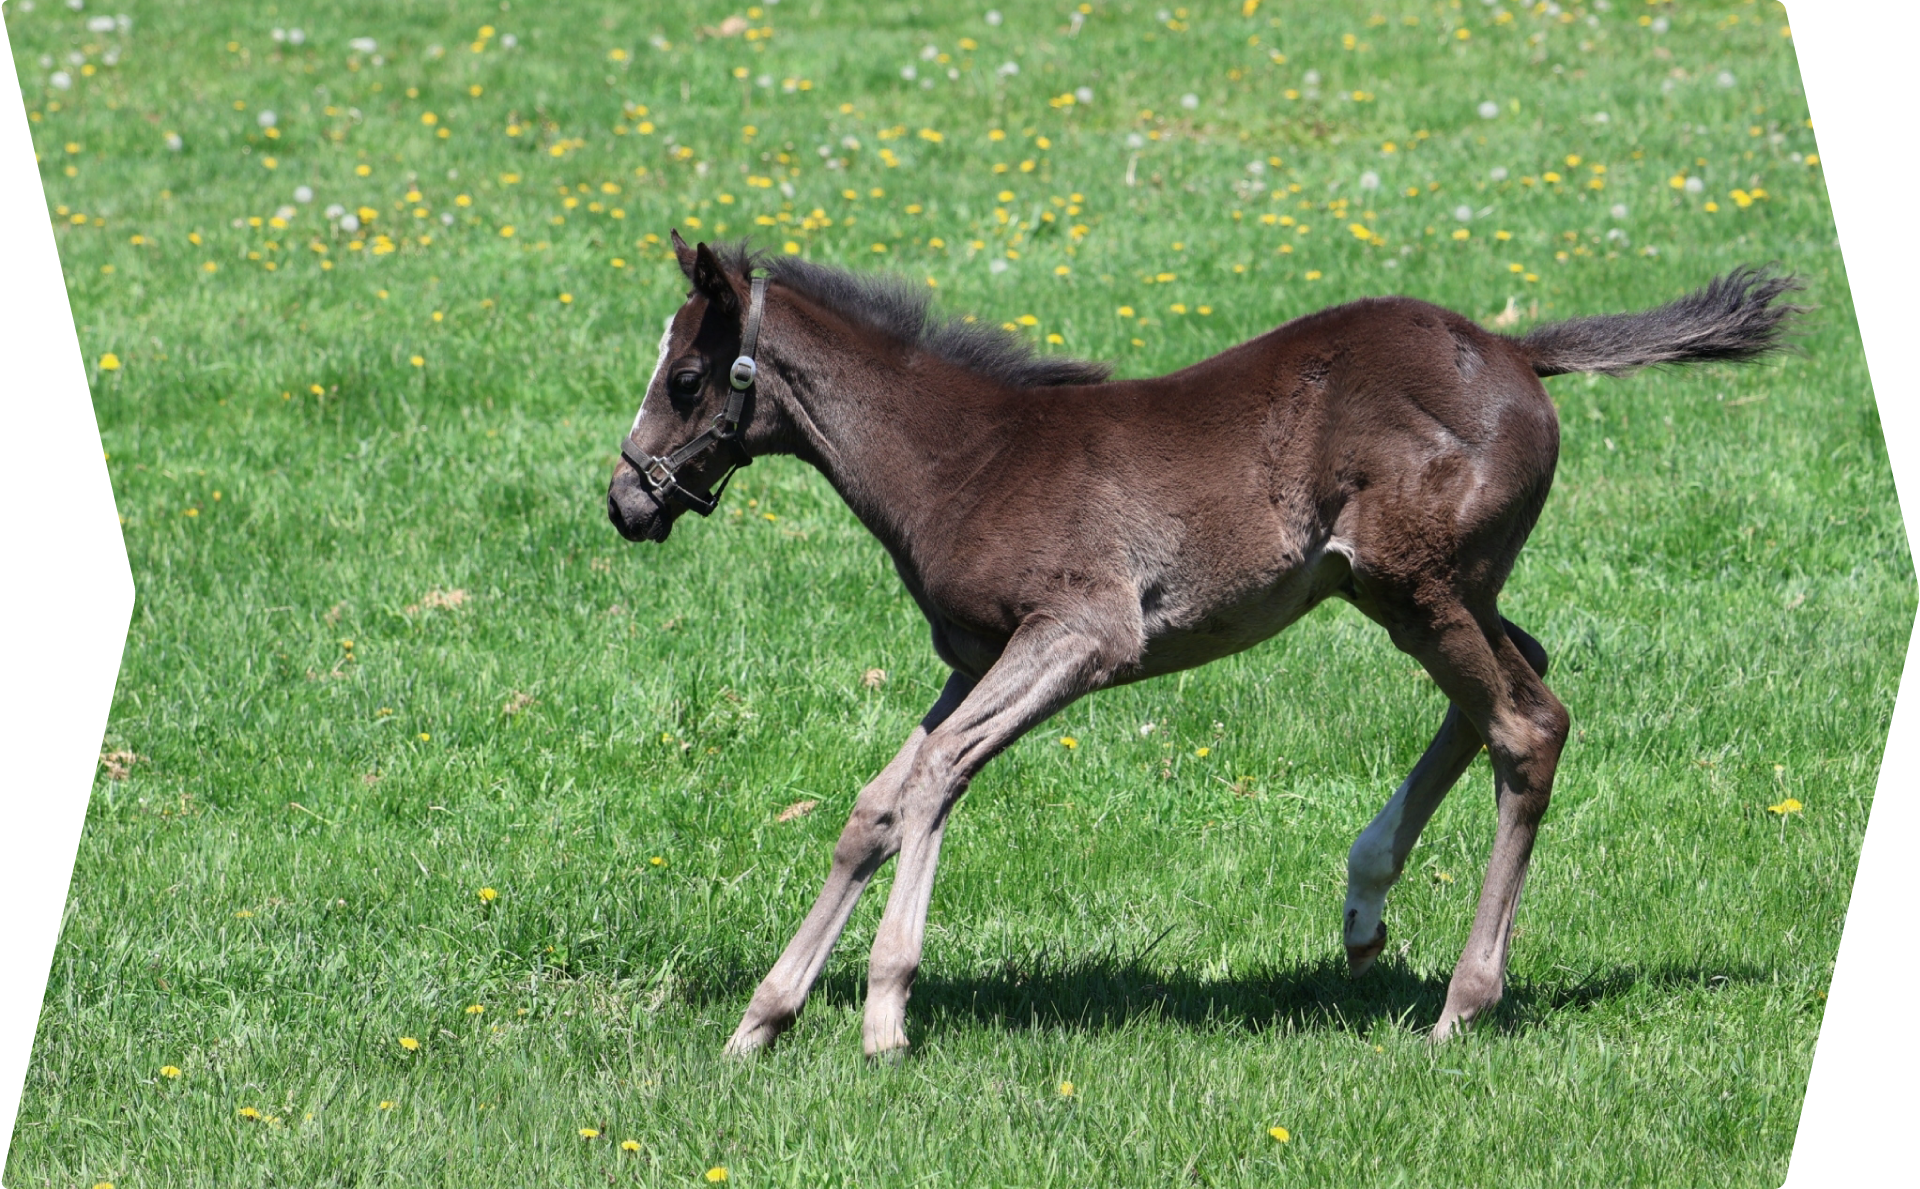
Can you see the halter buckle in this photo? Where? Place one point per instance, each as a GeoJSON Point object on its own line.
{"type": "Point", "coordinates": [742, 373]}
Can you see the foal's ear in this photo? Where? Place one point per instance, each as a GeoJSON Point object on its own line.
{"type": "Point", "coordinates": [711, 279]}
{"type": "Point", "coordinates": [682, 253]}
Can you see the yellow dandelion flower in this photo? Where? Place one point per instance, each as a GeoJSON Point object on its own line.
{"type": "Point", "coordinates": [244, 913]}
{"type": "Point", "coordinates": [488, 895]}
{"type": "Point", "coordinates": [790, 248]}
{"type": "Point", "coordinates": [1790, 805]}
{"type": "Point", "coordinates": [210, 266]}
{"type": "Point", "coordinates": [362, 170]}
{"type": "Point", "coordinates": [1069, 742]}
{"type": "Point", "coordinates": [169, 1071]}
{"type": "Point", "coordinates": [1066, 1089]}
{"type": "Point", "coordinates": [657, 861]}
{"type": "Point", "coordinates": [1027, 320]}
{"type": "Point", "coordinates": [247, 1112]}
{"type": "Point", "coordinates": [1056, 340]}
{"type": "Point", "coordinates": [506, 232]}
{"type": "Point", "coordinates": [409, 1043]}
{"type": "Point", "coordinates": [424, 736]}
{"type": "Point", "coordinates": [1313, 274]}
{"type": "Point", "coordinates": [109, 362]}
{"type": "Point", "coordinates": [417, 360]}
{"type": "Point", "coordinates": [717, 1173]}
{"type": "Point", "coordinates": [629, 1145]}
{"type": "Point", "coordinates": [103, 1185]}
{"type": "Point", "coordinates": [589, 1132]}
{"type": "Point", "coordinates": [1059, 270]}
{"type": "Point", "coordinates": [1280, 1133]}
{"type": "Point", "coordinates": [387, 1104]}
{"type": "Point", "coordinates": [1203, 752]}
{"type": "Point", "coordinates": [566, 299]}
{"type": "Point", "coordinates": [474, 1009]}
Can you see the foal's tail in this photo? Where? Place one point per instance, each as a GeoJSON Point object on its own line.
{"type": "Point", "coordinates": [1733, 318]}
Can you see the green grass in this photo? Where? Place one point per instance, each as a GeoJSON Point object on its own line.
{"type": "Point", "coordinates": [287, 882]}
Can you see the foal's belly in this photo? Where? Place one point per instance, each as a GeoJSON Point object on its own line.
{"type": "Point", "coordinates": [1186, 633]}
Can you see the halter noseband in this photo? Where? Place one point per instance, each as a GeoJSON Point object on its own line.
{"type": "Point", "coordinates": [661, 475]}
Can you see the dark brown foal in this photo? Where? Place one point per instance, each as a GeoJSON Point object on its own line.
{"type": "Point", "coordinates": [1064, 534]}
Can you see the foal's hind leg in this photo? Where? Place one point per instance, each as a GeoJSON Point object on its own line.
{"type": "Point", "coordinates": [1486, 672]}
{"type": "Point", "coordinates": [1380, 853]}
{"type": "Point", "coordinates": [871, 837]}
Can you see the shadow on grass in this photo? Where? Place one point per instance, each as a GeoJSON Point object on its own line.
{"type": "Point", "coordinates": [1106, 994]}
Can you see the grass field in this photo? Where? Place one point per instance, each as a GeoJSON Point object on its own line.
{"type": "Point", "coordinates": [388, 653]}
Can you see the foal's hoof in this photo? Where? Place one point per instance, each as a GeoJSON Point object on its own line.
{"type": "Point", "coordinates": [750, 1039]}
{"type": "Point", "coordinates": [1360, 957]}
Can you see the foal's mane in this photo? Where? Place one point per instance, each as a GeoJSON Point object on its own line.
{"type": "Point", "coordinates": [897, 308]}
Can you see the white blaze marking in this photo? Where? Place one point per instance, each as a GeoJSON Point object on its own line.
{"type": "Point", "coordinates": [665, 336]}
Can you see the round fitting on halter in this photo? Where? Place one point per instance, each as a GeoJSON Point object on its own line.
{"type": "Point", "coordinates": [742, 373]}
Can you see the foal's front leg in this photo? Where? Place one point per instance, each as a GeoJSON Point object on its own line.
{"type": "Point", "coordinates": [1045, 666]}
{"type": "Point", "coordinates": [871, 837]}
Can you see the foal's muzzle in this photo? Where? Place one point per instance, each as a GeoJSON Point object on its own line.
{"type": "Point", "coordinates": [635, 511]}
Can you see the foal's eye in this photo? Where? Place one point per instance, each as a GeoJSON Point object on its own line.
{"type": "Point", "coordinates": [685, 383]}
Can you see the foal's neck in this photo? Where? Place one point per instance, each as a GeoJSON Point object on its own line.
{"type": "Point", "coordinates": [882, 422]}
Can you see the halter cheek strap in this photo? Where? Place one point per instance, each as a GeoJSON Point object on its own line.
{"type": "Point", "coordinates": [661, 475]}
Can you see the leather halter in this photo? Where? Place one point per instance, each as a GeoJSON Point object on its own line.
{"type": "Point", "coordinates": [661, 475]}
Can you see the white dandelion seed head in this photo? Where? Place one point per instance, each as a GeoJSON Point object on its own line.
{"type": "Point", "coordinates": [99, 24]}
{"type": "Point", "coordinates": [846, 142]}
{"type": "Point", "coordinates": [1498, 173]}
{"type": "Point", "coordinates": [334, 210]}
{"type": "Point", "coordinates": [509, 41]}
{"type": "Point", "coordinates": [1649, 250]}
{"type": "Point", "coordinates": [1725, 78]}
{"type": "Point", "coordinates": [363, 45]}
{"type": "Point", "coordinates": [700, 169]}
{"type": "Point", "coordinates": [60, 80]}
{"type": "Point", "coordinates": [909, 73]}
{"type": "Point", "coordinates": [1619, 210]}
{"type": "Point", "coordinates": [174, 142]}
{"type": "Point", "coordinates": [1007, 68]}
{"type": "Point", "coordinates": [1601, 117]}
{"type": "Point", "coordinates": [436, 50]}
{"type": "Point", "coordinates": [76, 5]}
{"type": "Point", "coordinates": [349, 222]}
{"type": "Point", "coordinates": [112, 56]}
{"type": "Point", "coordinates": [446, 218]}
{"type": "Point", "coordinates": [284, 212]}
{"type": "Point", "coordinates": [46, 60]}
{"type": "Point", "coordinates": [378, 60]}
{"type": "Point", "coordinates": [1311, 78]}
{"type": "Point", "coordinates": [1695, 186]}
{"type": "Point", "coordinates": [996, 266]}
{"type": "Point", "coordinates": [993, 17]}
{"type": "Point", "coordinates": [929, 52]}
{"type": "Point", "coordinates": [926, 84]}
{"type": "Point", "coordinates": [267, 118]}
{"type": "Point", "coordinates": [1616, 235]}
{"type": "Point", "coordinates": [303, 194]}
{"type": "Point", "coordinates": [1256, 167]}
{"type": "Point", "coordinates": [77, 58]}
{"type": "Point", "coordinates": [1146, 728]}
{"type": "Point", "coordinates": [786, 188]}
{"type": "Point", "coordinates": [953, 72]}
{"type": "Point", "coordinates": [764, 82]}
{"type": "Point", "coordinates": [1135, 140]}
{"type": "Point", "coordinates": [1190, 101]}
{"type": "Point", "coordinates": [296, 36]}
{"type": "Point", "coordinates": [1488, 109]}
{"type": "Point", "coordinates": [1463, 212]}
{"type": "Point", "coordinates": [1369, 180]}
{"type": "Point", "coordinates": [1083, 94]}
{"type": "Point", "coordinates": [1660, 25]}
{"type": "Point", "coordinates": [276, 34]}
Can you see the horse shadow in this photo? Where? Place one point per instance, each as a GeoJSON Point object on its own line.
{"type": "Point", "coordinates": [1106, 993]}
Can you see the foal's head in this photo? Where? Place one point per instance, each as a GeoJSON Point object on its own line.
{"type": "Point", "coordinates": [688, 395]}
